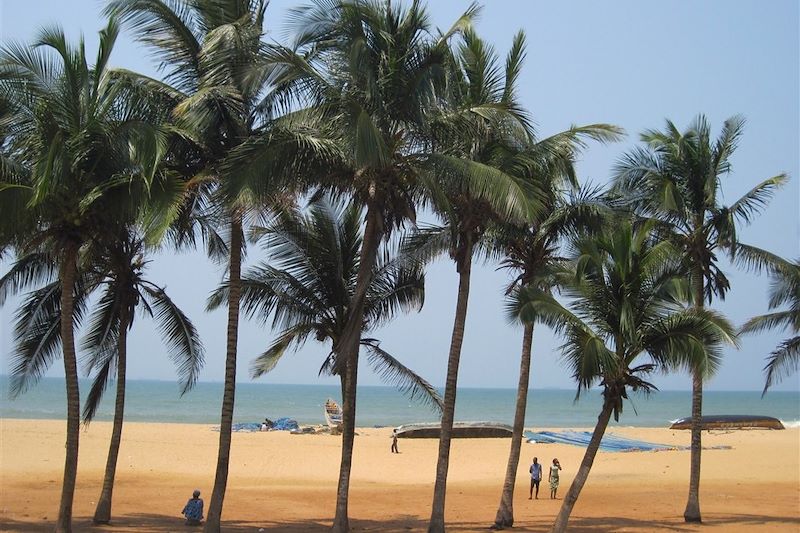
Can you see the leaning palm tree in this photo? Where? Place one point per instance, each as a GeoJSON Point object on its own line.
{"type": "Point", "coordinates": [532, 254]}
{"type": "Point", "coordinates": [80, 157]}
{"type": "Point", "coordinates": [784, 290]}
{"type": "Point", "coordinates": [307, 287]}
{"type": "Point", "coordinates": [675, 178]}
{"type": "Point", "coordinates": [117, 269]}
{"type": "Point", "coordinates": [625, 291]}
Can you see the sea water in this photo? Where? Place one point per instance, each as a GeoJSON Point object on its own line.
{"type": "Point", "coordinates": [160, 401]}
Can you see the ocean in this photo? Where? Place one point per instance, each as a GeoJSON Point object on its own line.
{"type": "Point", "coordinates": [160, 401]}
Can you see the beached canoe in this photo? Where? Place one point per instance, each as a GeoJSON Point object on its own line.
{"type": "Point", "coordinates": [333, 414]}
{"type": "Point", "coordinates": [461, 430]}
{"type": "Point", "coordinates": [730, 422]}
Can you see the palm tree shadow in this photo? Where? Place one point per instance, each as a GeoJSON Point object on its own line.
{"type": "Point", "coordinates": [152, 523]}
{"type": "Point", "coordinates": [602, 524]}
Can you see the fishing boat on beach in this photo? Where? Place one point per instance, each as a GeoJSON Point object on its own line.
{"type": "Point", "coordinates": [470, 430]}
{"type": "Point", "coordinates": [333, 414]}
{"type": "Point", "coordinates": [730, 422]}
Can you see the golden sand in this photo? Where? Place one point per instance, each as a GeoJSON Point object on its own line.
{"type": "Point", "coordinates": [283, 482]}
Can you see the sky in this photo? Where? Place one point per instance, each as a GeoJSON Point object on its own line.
{"type": "Point", "coordinates": [629, 63]}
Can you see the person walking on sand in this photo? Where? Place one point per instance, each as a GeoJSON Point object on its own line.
{"type": "Point", "coordinates": [394, 442]}
{"type": "Point", "coordinates": [553, 478]}
{"type": "Point", "coordinates": [536, 477]}
{"type": "Point", "coordinates": [193, 510]}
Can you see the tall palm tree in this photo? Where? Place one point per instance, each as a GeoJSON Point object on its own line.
{"type": "Point", "coordinates": [532, 254]}
{"type": "Point", "coordinates": [784, 290]}
{"type": "Point", "coordinates": [216, 68]}
{"type": "Point", "coordinates": [308, 287]}
{"type": "Point", "coordinates": [118, 270]}
{"type": "Point", "coordinates": [366, 73]}
{"type": "Point", "coordinates": [80, 155]}
{"type": "Point", "coordinates": [676, 178]}
{"type": "Point", "coordinates": [483, 126]}
{"type": "Point", "coordinates": [489, 128]}
{"type": "Point", "coordinates": [625, 294]}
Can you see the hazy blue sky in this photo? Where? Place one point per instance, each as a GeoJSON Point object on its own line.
{"type": "Point", "coordinates": [628, 63]}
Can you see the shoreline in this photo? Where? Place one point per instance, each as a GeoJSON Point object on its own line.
{"type": "Point", "coordinates": [285, 482]}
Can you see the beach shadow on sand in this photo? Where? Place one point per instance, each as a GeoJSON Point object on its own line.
{"type": "Point", "coordinates": [151, 523]}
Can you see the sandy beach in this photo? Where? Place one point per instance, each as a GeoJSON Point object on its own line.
{"type": "Point", "coordinates": [283, 482]}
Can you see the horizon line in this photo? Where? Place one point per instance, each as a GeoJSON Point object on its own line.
{"type": "Point", "coordinates": [221, 382]}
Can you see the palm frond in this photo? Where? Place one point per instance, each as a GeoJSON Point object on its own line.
{"type": "Point", "coordinates": [182, 339]}
{"type": "Point", "coordinates": [782, 362]}
{"type": "Point", "coordinates": [33, 269]}
{"type": "Point", "coordinates": [395, 373]}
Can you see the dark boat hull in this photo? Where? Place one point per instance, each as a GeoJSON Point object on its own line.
{"type": "Point", "coordinates": [731, 422]}
{"type": "Point", "coordinates": [461, 430]}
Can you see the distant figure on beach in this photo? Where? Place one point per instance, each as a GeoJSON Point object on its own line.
{"type": "Point", "coordinates": [536, 477]}
{"type": "Point", "coordinates": [193, 510]}
{"type": "Point", "coordinates": [553, 478]}
{"type": "Point", "coordinates": [394, 442]}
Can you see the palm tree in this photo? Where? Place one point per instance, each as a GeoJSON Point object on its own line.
{"type": "Point", "coordinates": [217, 70]}
{"type": "Point", "coordinates": [117, 269]}
{"type": "Point", "coordinates": [532, 254]}
{"type": "Point", "coordinates": [366, 72]}
{"type": "Point", "coordinates": [79, 155]}
{"type": "Point", "coordinates": [489, 170]}
{"type": "Point", "coordinates": [676, 179]}
{"type": "Point", "coordinates": [784, 290]}
{"type": "Point", "coordinates": [625, 292]}
{"type": "Point", "coordinates": [308, 290]}
{"type": "Point", "coordinates": [489, 128]}
{"type": "Point", "coordinates": [120, 266]}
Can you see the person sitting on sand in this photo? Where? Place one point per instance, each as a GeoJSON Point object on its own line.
{"type": "Point", "coordinates": [394, 442]}
{"type": "Point", "coordinates": [536, 477]}
{"type": "Point", "coordinates": [553, 478]}
{"type": "Point", "coordinates": [193, 510]}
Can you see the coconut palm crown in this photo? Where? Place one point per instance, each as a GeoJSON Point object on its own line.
{"type": "Point", "coordinates": [306, 284]}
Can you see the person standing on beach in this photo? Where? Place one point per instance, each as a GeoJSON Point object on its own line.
{"type": "Point", "coordinates": [193, 510]}
{"type": "Point", "coordinates": [394, 442]}
{"type": "Point", "coordinates": [536, 477]}
{"type": "Point", "coordinates": [553, 478]}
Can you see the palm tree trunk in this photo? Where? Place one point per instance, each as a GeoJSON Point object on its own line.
{"type": "Point", "coordinates": [67, 275]}
{"type": "Point", "coordinates": [348, 346]}
{"type": "Point", "coordinates": [582, 475]}
{"type": "Point", "coordinates": [692, 511]}
{"type": "Point", "coordinates": [505, 512]}
{"type": "Point", "coordinates": [226, 419]}
{"type": "Point", "coordinates": [436, 524]}
{"type": "Point", "coordinates": [102, 513]}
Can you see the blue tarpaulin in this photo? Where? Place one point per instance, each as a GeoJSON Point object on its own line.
{"type": "Point", "coordinates": [610, 443]}
{"type": "Point", "coordinates": [281, 424]}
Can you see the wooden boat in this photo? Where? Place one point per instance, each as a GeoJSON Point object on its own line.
{"type": "Point", "coordinates": [333, 414]}
{"type": "Point", "coordinates": [730, 422]}
{"type": "Point", "coordinates": [461, 430]}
